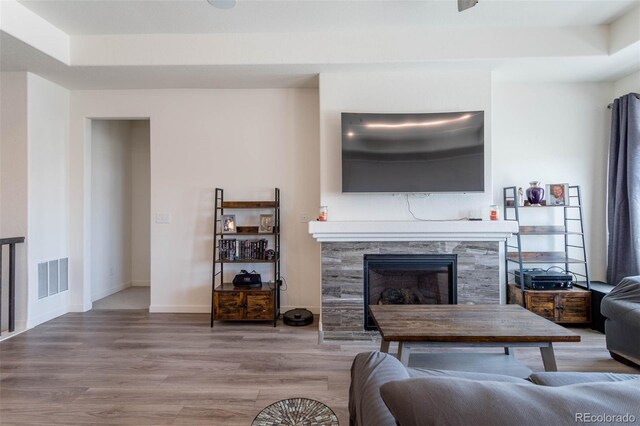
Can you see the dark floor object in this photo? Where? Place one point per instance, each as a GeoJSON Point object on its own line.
{"type": "Point", "coordinates": [623, 360]}
{"type": "Point", "coordinates": [298, 412]}
{"type": "Point", "coordinates": [598, 290]}
{"type": "Point", "coordinates": [298, 317]}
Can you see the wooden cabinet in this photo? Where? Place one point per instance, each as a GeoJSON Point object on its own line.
{"type": "Point", "coordinates": [258, 245]}
{"type": "Point", "coordinates": [231, 303]}
{"type": "Point", "coordinates": [561, 306]}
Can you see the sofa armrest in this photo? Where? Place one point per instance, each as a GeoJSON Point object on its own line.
{"type": "Point", "coordinates": [621, 310]}
{"type": "Point", "coordinates": [628, 289]}
{"type": "Point", "coordinates": [623, 302]}
{"type": "Point", "coordinates": [369, 371]}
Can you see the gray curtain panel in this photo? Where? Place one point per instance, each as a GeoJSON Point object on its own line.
{"type": "Point", "coordinates": [624, 189]}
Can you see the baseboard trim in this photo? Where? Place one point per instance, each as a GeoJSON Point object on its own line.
{"type": "Point", "coordinates": [47, 316]}
{"type": "Point", "coordinates": [109, 291]}
{"type": "Point", "coordinates": [140, 283]}
{"type": "Point", "coordinates": [21, 327]}
{"type": "Point", "coordinates": [79, 308]}
{"type": "Point", "coordinates": [206, 309]}
{"type": "Point", "coordinates": [314, 309]}
{"type": "Point", "coordinates": [180, 309]}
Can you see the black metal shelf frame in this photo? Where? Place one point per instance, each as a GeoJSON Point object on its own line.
{"type": "Point", "coordinates": [516, 256]}
{"type": "Point", "coordinates": [218, 266]}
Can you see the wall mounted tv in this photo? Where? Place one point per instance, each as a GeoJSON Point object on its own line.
{"type": "Point", "coordinates": [423, 152]}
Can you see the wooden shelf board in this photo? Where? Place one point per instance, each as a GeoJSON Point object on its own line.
{"type": "Point", "coordinates": [542, 257]}
{"type": "Point", "coordinates": [248, 205]}
{"type": "Point", "coordinates": [243, 234]}
{"type": "Point", "coordinates": [541, 207]}
{"type": "Point", "coordinates": [545, 230]}
{"type": "Point", "coordinates": [231, 287]}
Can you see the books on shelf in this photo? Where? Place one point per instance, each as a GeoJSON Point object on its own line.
{"type": "Point", "coordinates": [233, 249]}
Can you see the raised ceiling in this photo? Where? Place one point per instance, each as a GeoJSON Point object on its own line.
{"type": "Point", "coordinates": [198, 17]}
{"type": "Point", "coordinates": [114, 44]}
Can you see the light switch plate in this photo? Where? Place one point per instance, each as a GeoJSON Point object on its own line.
{"type": "Point", "coordinates": [163, 218]}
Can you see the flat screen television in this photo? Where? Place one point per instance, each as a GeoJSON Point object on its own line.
{"type": "Point", "coordinates": [423, 152]}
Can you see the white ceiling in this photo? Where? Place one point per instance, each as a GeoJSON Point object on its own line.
{"type": "Point", "coordinates": [250, 16]}
{"type": "Point", "coordinates": [145, 44]}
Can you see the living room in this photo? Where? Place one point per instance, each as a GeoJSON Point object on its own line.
{"type": "Point", "coordinates": [249, 99]}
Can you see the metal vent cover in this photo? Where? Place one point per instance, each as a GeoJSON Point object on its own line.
{"type": "Point", "coordinates": [64, 274]}
{"type": "Point", "coordinates": [43, 280]}
{"type": "Point", "coordinates": [53, 277]}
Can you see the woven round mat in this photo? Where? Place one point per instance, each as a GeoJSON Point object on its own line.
{"type": "Point", "coordinates": [296, 412]}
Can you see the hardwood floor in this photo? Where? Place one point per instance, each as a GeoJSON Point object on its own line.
{"type": "Point", "coordinates": [132, 367]}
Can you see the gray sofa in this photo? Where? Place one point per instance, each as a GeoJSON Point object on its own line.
{"type": "Point", "coordinates": [621, 307]}
{"type": "Point", "coordinates": [384, 393]}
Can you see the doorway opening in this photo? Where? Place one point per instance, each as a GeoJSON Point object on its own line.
{"type": "Point", "coordinates": [120, 214]}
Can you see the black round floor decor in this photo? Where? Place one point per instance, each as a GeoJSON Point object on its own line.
{"type": "Point", "coordinates": [298, 316]}
{"type": "Point", "coordinates": [296, 412]}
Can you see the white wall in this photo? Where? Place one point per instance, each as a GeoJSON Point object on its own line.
{"type": "Point", "coordinates": [140, 203]}
{"type": "Point", "coordinates": [13, 185]}
{"type": "Point", "coordinates": [556, 133]}
{"type": "Point", "coordinates": [543, 131]}
{"type": "Point", "coordinates": [245, 141]}
{"type": "Point", "coordinates": [111, 206]}
{"type": "Point", "coordinates": [398, 92]}
{"type": "Point", "coordinates": [627, 84]}
{"type": "Point", "coordinates": [48, 190]}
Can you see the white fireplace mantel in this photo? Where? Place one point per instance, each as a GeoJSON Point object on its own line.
{"type": "Point", "coordinates": [454, 230]}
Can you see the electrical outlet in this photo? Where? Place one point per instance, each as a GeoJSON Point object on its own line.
{"type": "Point", "coordinates": [304, 217]}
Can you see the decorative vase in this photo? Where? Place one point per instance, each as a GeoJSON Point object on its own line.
{"type": "Point", "coordinates": [535, 193]}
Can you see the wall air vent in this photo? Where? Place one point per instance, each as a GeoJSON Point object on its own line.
{"type": "Point", "coordinates": [53, 277]}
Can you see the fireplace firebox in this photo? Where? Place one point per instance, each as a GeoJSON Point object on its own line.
{"type": "Point", "coordinates": [408, 279]}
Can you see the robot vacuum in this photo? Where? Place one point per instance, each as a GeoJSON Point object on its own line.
{"type": "Point", "coordinates": [297, 317]}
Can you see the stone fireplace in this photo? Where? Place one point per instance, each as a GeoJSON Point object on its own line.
{"type": "Point", "coordinates": [408, 279]}
{"type": "Point", "coordinates": [345, 245]}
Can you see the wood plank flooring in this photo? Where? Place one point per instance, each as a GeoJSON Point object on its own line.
{"type": "Point", "coordinates": [132, 367]}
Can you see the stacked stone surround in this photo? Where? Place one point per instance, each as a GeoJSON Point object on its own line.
{"type": "Point", "coordinates": [343, 279]}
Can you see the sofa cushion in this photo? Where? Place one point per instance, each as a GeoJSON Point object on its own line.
{"type": "Point", "coordinates": [563, 379]}
{"type": "Point", "coordinates": [425, 372]}
{"type": "Point", "coordinates": [440, 400]}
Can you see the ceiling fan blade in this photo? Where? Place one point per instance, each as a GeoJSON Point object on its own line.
{"type": "Point", "coordinates": [466, 4]}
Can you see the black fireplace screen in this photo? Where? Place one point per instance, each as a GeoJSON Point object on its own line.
{"type": "Point", "coordinates": [408, 279]}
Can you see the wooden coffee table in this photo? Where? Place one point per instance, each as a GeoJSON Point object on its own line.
{"type": "Point", "coordinates": [504, 326]}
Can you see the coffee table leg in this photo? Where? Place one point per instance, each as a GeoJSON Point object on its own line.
{"type": "Point", "coordinates": [384, 346]}
{"type": "Point", "coordinates": [548, 358]}
{"type": "Point", "coordinates": [403, 353]}
{"type": "Point", "coordinates": [509, 351]}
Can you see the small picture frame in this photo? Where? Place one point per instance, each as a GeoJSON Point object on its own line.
{"type": "Point", "coordinates": [266, 224]}
{"type": "Point", "coordinates": [228, 224]}
{"type": "Point", "coordinates": [557, 194]}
